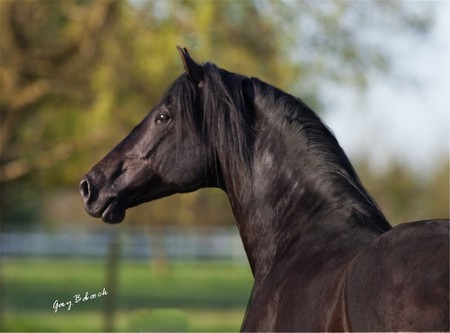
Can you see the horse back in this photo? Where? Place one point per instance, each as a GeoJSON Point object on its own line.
{"type": "Point", "coordinates": [401, 281]}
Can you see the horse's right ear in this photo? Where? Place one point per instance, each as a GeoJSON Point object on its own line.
{"type": "Point", "coordinates": [193, 70]}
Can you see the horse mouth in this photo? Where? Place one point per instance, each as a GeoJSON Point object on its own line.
{"type": "Point", "coordinates": [113, 212]}
{"type": "Point", "coordinates": [110, 211]}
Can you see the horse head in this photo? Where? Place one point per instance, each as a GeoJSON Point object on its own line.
{"type": "Point", "coordinates": [158, 158]}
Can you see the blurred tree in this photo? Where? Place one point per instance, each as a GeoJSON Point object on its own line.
{"type": "Point", "coordinates": [48, 51]}
{"type": "Point", "coordinates": [78, 75]}
{"type": "Point", "coordinates": [404, 197]}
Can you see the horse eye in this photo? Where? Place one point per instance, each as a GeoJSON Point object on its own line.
{"type": "Point", "coordinates": [162, 119]}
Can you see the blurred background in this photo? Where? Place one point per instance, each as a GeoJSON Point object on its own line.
{"type": "Point", "coordinates": [76, 76]}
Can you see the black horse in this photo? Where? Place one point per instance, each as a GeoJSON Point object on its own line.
{"type": "Point", "coordinates": [322, 254]}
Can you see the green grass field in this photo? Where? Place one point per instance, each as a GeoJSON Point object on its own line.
{"type": "Point", "coordinates": [178, 297]}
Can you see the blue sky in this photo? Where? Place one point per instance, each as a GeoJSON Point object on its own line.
{"type": "Point", "coordinates": [404, 114]}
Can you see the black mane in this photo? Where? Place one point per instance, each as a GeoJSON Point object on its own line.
{"type": "Point", "coordinates": [219, 114]}
{"type": "Point", "coordinates": [225, 120]}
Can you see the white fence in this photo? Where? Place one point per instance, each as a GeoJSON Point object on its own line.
{"type": "Point", "coordinates": [172, 243]}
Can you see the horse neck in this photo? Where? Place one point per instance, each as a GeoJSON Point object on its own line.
{"type": "Point", "coordinates": [291, 201]}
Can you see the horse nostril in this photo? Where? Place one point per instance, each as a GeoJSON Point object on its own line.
{"type": "Point", "coordinates": [84, 189]}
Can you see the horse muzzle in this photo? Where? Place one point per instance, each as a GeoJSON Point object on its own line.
{"type": "Point", "coordinates": [108, 208]}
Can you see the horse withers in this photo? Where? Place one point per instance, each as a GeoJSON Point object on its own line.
{"type": "Point", "coordinates": [323, 256]}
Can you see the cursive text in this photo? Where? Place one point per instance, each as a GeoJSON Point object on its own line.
{"type": "Point", "coordinates": [77, 299]}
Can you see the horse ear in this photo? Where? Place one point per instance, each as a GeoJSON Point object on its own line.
{"type": "Point", "coordinates": [193, 70]}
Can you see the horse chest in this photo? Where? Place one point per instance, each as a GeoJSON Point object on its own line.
{"type": "Point", "coordinates": [298, 302]}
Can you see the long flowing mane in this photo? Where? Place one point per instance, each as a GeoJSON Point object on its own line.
{"type": "Point", "coordinates": [226, 121]}
{"type": "Point", "coordinates": [219, 114]}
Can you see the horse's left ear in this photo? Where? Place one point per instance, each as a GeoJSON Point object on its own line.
{"type": "Point", "coordinates": [193, 70]}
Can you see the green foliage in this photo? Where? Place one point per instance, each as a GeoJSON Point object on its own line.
{"type": "Point", "coordinates": [404, 197]}
{"type": "Point", "coordinates": [78, 75]}
{"type": "Point", "coordinates": [75, 72]}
